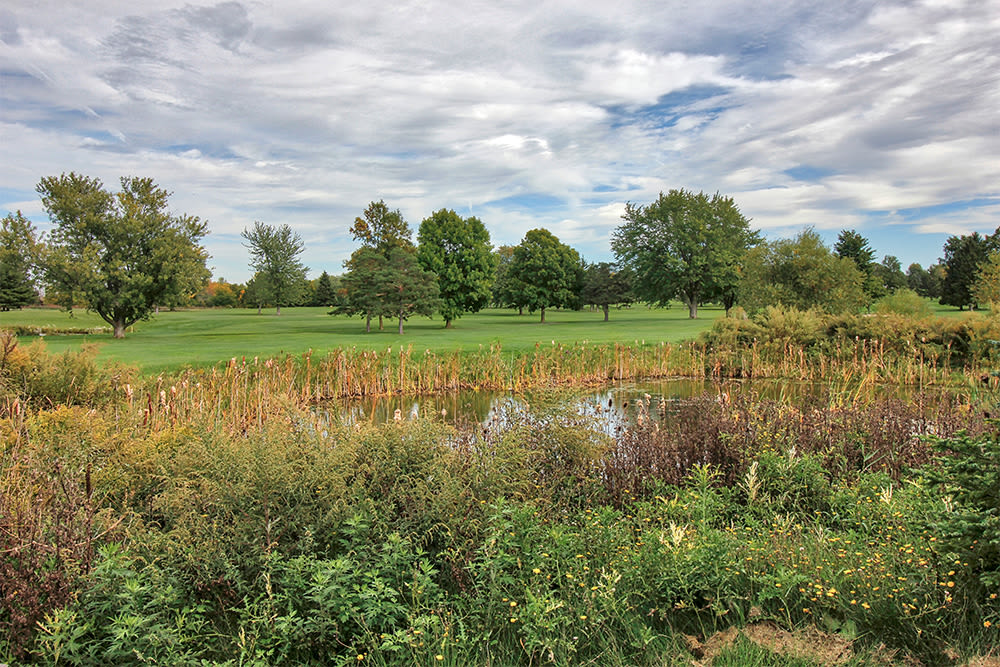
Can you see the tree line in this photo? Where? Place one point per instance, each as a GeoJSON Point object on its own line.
{"type": "Point", "coordinates": [123, 255]}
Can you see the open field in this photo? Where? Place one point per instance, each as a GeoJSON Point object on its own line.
{"type": "Point", "coordinates": [172, 340]}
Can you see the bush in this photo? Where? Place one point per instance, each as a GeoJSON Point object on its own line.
{"type": "Point", "coordinates": [967, 478]}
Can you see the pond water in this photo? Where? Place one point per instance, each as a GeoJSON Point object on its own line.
{"type": "Point", "coordinates": [610, 404]}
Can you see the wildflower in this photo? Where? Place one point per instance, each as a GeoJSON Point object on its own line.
{"type": "Point", "coordinates": [513, 620]}
{"type": "Point", "coordinates": [987, 624]}
{"type": "Point", "coordinates": [439, 657]}
{"type": "Point", "coordinates": [536, 571]}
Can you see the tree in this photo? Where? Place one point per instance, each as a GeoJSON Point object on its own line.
{"type": "Point", "coordinates": [258, 292]}
{"type": "Point", "coordinates": [361, 285]}
{"type": "Point", "coordinates": [918, 279]}
{"type": "Point", "coordinates": [986, 288]}
{"type": "Point", "coordinates": [458, 251]}
{"type": "Point", "coordinates": [405, 288]}
{"type": "Point", "coordinates": [382, 229]}
{"type": "Point", "coordinates": [853, 246]}
{"type": "Point", "coordinates": [274, 252]}
{"type": "Point", "coordinates": [803, 273]}
{"type": "Point", "coordinates": [889, 273]}
{"type": "Point", "coordinates": [324, 294]}
{"type": "Point", "coordinates": [19, 252]}
{"type": "Point", "coordinates": [506, 288]}
{"type": "Point", "coordinates": [963, 257]}
{"type": "Point", "coordinates": [605, 284]}
{"type": "Point", "coordinates": [121, 253]}
{"type": "Point", "coordinates": [545, 272]}
{"type": "Point", "coordinates": [684, 245]}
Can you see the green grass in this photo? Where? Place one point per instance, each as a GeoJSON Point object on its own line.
{"type": "Point", "coordinates": [172, 340]}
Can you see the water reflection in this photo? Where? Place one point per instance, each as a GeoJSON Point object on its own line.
{"type": "Point", "coordinates": [610, 405]}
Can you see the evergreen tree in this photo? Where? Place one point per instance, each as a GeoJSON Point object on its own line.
{"type": "Point", "coordinates": [324, 294]}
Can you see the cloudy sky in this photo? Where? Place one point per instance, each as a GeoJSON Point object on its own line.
{"type": "Point", "coordinates": [882, 116]}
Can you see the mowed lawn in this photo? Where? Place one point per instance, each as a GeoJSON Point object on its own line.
{"type": "Point", "coordinates": [173, 340]}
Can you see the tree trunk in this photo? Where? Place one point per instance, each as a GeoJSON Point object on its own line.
{"type": "Point", "coordinates": [447, 324]}
{"type": "Point", "coordinates": [119, 329]}
{"type": "Point", "coordinates": [520, 310]}
{"type": "Point", "coordinates": [692, 310]}
{"type": "Point", "coordinates": [368, 324]}
{"type": "Point", "coordinates": [605, 312]}
{"type": "Point", "coordinates": [400, 325]}
{"type": "Point", "coordinates": [543, 314]}
{"type": "Point", "coordinates": [259, 307]}
{"type": "Point", "coordinates": [278, 308]}
{"type": "Point", "coordinates": [379, 322]}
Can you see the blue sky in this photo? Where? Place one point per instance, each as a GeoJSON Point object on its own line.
{"type": "Point", "coordinates": [882, 117]}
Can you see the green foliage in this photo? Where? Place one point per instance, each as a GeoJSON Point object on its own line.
{"type": "Point", "coordinates": [458, 251]}
{"type": "Point", "coordinates": [19, 259]}
{"type": "Point", "coordinates": [904, 302]}
{"type": "Point", "coordinates": [544, 273]}
{"type": "Point", "coordinates": [507, 288]}
{"type": "Point", "coordinates": [605, 284]}
{"type": "Point", "coordinates": [802, 273]}
{"type": "Point", "coordinates": [686, 246]}
{"type": "Point", "coordinates": [963, 259]}
{"type": "Point", "coordinates": [986, 288]}
{"type": "Point", "coordinates": [926, 283]}
{"type": "Point", "coordinates": [121, 254]}
{"type": "Point", "coordinates": [325, 294]}
{"type": "Point", "coordinates": [967, 477]}
{"type": "Point", "coordinates": [274, 253]}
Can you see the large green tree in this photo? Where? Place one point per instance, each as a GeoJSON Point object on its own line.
{"type": "Point", "coordinates": [545, 272]}
{"type": "Point", "coordinates": [963, 258]}
{"type": "Point", "coordinates": [381, 229]}
{"type": "Point", "coordinates": [362, 288]}
{"type": "Point", "coordinates": [605, 284]}
{"type": "Point", "coordinates": [19, 254]}
{"type": "Point", "coordinates": [684, 245]}
{"type": "Point", "coordinates": [274, 253]}
{"type": "Point", "coordinates": [121, 253]}
{"type": "Point", "coordinates": [406, 288]}
{"type": "Point", "coordinates": [459, 252]}
{"type": "Point", "coordinates": [801, 272]}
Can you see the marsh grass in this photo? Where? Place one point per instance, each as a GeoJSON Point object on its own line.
{"type": "Point", "coordinates": [212, 516]}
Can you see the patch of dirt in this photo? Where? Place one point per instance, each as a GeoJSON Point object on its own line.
{"type": "Point", "coordinates": [984, 661]}
{"type": "Point", "coordinates": [823, 647]}
{"type": "Point", "coordinates": [810, 643]}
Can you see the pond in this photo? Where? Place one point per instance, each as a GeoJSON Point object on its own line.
{"type": "Point", "coordinates": [610, 405]}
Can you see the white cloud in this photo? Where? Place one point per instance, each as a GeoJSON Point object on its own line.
{"type": "Point", "coordinates": [305, 112]}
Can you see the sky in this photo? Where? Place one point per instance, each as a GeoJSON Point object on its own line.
{"type": "Point", "coordinates": [878, 116]}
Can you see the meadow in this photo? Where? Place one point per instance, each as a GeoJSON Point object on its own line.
{"type": "Point", "coordinates": [200, 338]}
{"type": "Point", "coordinates": [213, 516]}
